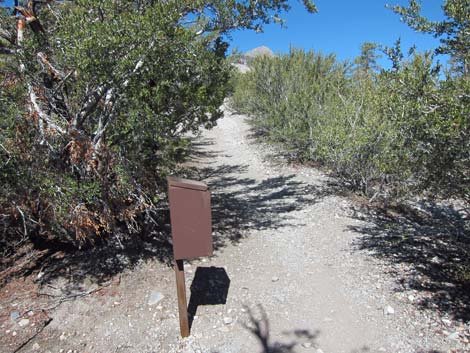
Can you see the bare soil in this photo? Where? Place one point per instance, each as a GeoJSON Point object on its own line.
{"type": "Point", "coordinates": [297, 268]}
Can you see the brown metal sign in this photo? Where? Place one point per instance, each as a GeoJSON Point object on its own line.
{"type": "Point", "coordinates": [191, 223]}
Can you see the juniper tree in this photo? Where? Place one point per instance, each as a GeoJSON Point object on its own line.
{"type": "Point", "coordinates": [102, 94]}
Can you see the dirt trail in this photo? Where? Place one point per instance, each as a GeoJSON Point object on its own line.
{"type": "Point", "coordinates": [286, 255]}
{"type": "Point", "coordinates": [298, 258]}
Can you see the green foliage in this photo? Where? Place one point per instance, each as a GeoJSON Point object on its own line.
{"type": "Point", "coordinates": [96, 102]}
{"type": "Point", "coordinates": [400, 132]}
{"type": "Point", "coordinates": [367, 60]}
{"type": "Point", "coordinates": [280, 93]}
{"type": "Point", "coordinates": [453, 31]}
{"type": "Point", "coordinates": [395, 133]}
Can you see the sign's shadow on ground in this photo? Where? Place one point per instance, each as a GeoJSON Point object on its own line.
{"type": "Point", "coordinates": [209, 287]}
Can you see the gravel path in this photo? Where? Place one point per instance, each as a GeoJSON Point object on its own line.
{"type": "Point", "coordinates": [297, 262]}
{"type": "Point", "coordinates": [286, 275]}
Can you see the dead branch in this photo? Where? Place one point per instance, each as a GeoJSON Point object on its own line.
{"type": "Point", "coordinates": [56, 72]}
{"type": "Point", "coordinates": [7, 36]}
{"type": "Point", "coordinates": [43, 117]}
{"type": "Point", "coordinates": [7, 152]}
{"type": "Point", "coordinates": [48, 321]}
{"type": "Point", "coordinates": [30, 18]}
{"type": "Point", "coordinates": [22, 265]}
{"type": "Point", "coordinates": [71, 297]}
{"type": "Point", "coordinates": [25, 229]}
{"type": "Point", "coordinates": [89, 105]}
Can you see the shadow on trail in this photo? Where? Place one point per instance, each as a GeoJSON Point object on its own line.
{"type": "Point", "coordinates": [210, 286]}
{"type": "Point", "coordinates": [434, 241]}
{"type": "Point", "coordinates": [260, 328]}
{"type": "Point", "coordinates": [200, 152]}
{"type": "Point", "coordinates": [296, 340]}
{"type": "Point", "coordinates": [240, 205]}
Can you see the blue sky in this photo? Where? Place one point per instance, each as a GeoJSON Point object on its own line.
{"type": "Point", "coordinates": [340, 27]}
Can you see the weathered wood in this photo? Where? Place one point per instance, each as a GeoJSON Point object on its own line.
{"type": "Point", "coordinates": [182, 302]}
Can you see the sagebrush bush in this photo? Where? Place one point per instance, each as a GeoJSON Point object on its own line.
{"type": "Point", "coordinates": [393, 134]}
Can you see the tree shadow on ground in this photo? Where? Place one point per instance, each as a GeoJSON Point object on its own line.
{"type": "Point", "coordinates": [199, 150]}
{"type": "Point", "coordinates": [433, 242]}
{"type": "Point", "coordinates": [258, 325]}
{"type": "Point", "coordinates": [239, 205]}
{"type": "Point", "coordinates": [260, 328]}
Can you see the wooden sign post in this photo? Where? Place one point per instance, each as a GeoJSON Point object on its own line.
{"type": "Point", "coordinates": [182, 302]}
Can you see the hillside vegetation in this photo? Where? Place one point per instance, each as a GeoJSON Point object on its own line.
{"type": "Point", "coordinates": [388, 133]}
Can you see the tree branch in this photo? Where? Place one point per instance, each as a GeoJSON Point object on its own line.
{"type": "Point", "coordinates": [89, 105]}
{"type": "Point", "coordinates": [43, 58]}
{"type": "Point", "coordinates": [43, 117]}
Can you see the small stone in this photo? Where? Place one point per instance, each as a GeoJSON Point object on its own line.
{"type": "Point", "coordinates": [188, 349]}
{"type": "Point", "coordinates": [275, 279]}
{"type": "Point", "coordinates": [14, 333]}
{"type": "Point", "coordinates": [63, 336]}
{"type": "Point", "coordinates": [307, 344]}
{"type": "Point", "coordinates": [446, 322]}
{"type": "Point", "coordinates": [411, 298]}
{"type": "Point", "coordinates": [318, 351]}
{"type": "Point", "coordinates": [388, 310]}
{"type": "Point", "coordinates": [14, 315]}
{"type": "Point", "coordinates": [155, 298]}
{"type": "Point", "coordinates": [36, 346]}
{"type": "Point", "coordinates": [30, 313]}
{"type": "Point", "coordinates": [23, 322]}
{"type": "Point", "coordinates": [382, 349]}
{"type": "Point", "coordinates": [228, 320]}
{"type": "Point", "coordinates": [453, 336]}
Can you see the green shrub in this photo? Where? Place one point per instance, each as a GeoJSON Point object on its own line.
{"type": "Point", "coordinates": [394, 134]}
{"type": "Point", "coordinates": [97, 99]}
